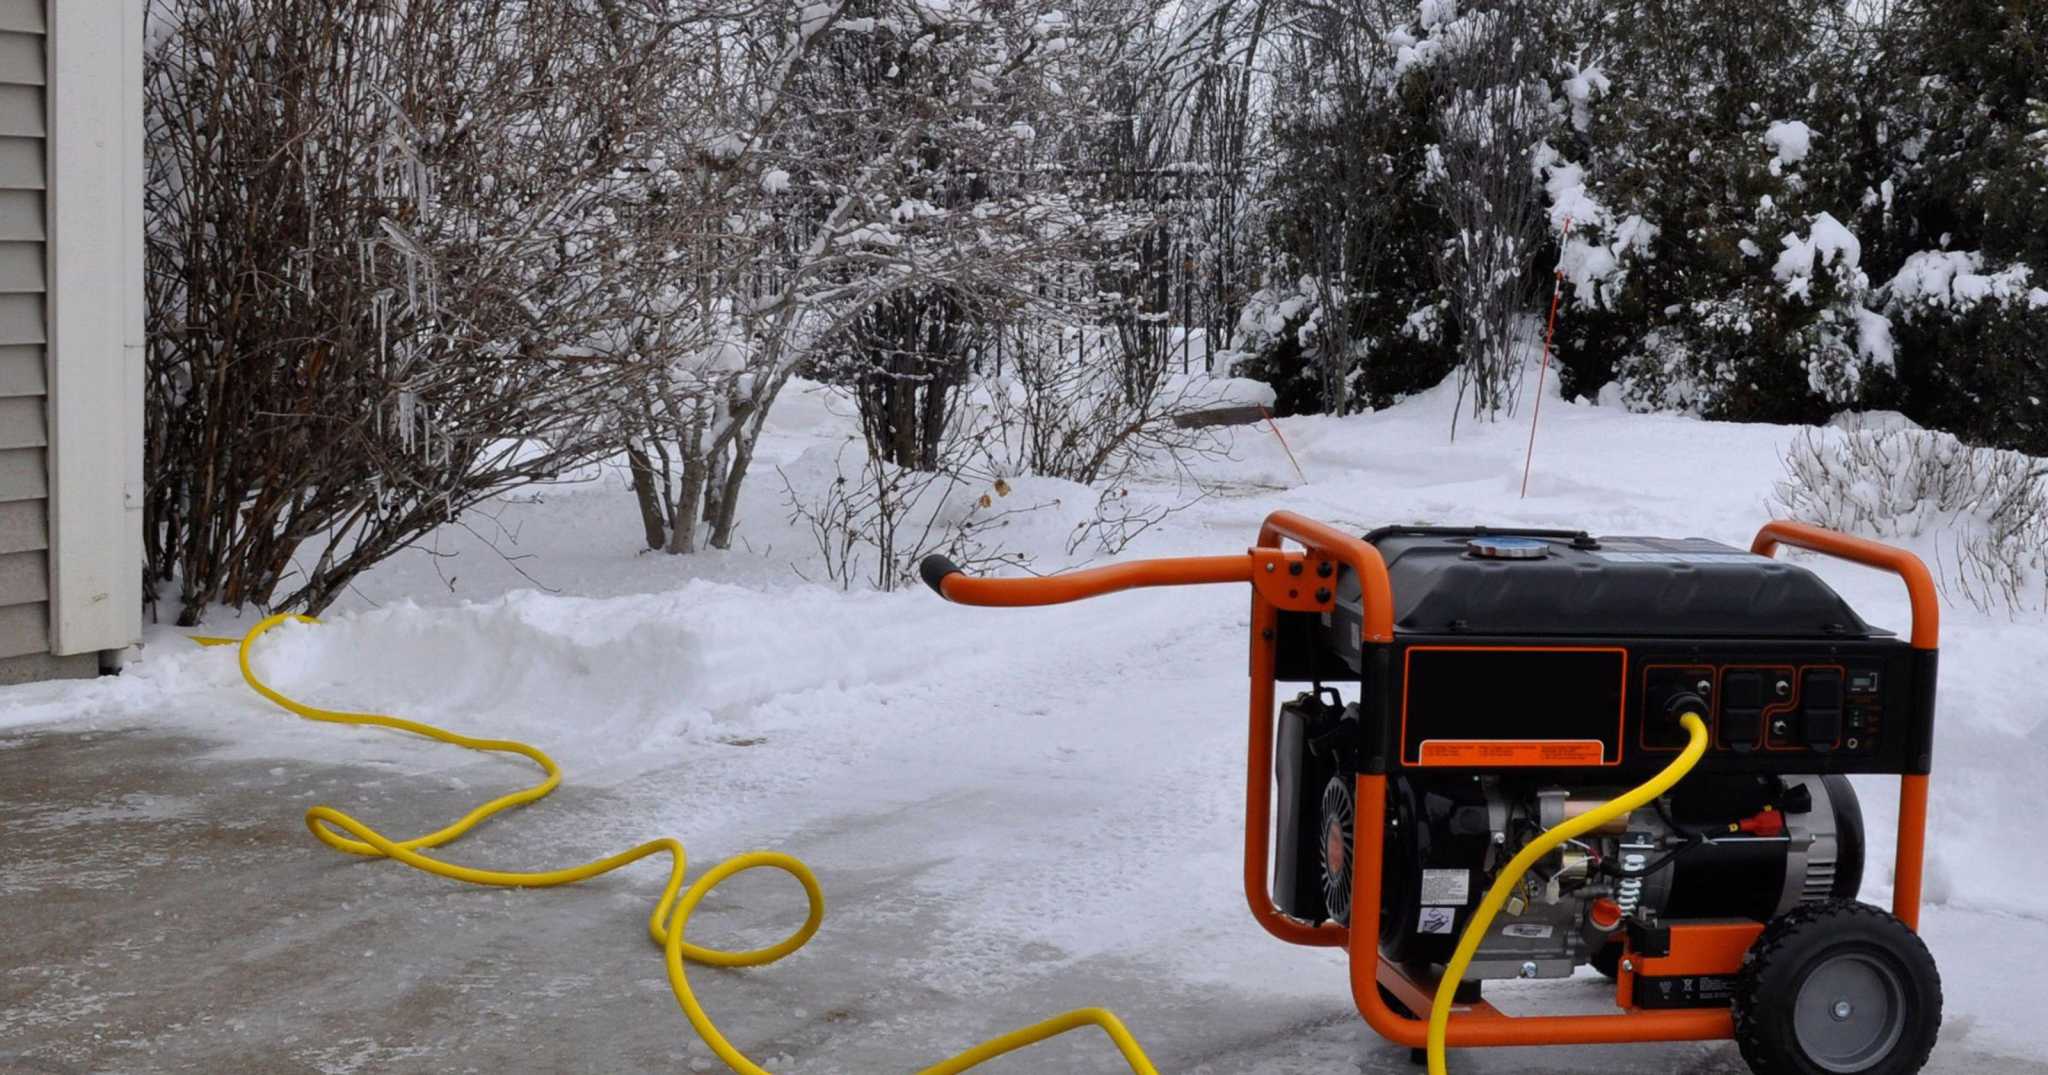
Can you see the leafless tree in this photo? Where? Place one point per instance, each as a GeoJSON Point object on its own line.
{"type": "Point", "coordinates": [842, 214]}
{"type": "Point", "coordinates": [1066, 407]}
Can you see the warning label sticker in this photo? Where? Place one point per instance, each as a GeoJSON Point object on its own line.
{"type": "Point", "coordinates": [1489, 752]}
{"type": "Point", "coordinates": [1446, 888]}
{"type": "Point", "coordinates": [1703, 991]}
{"type": "Point", "coordinates": [1526, 931]}
{"type": "Point", "coordinates": [1435, 920]}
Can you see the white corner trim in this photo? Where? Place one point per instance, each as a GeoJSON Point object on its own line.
{"type": "Point", "coordinates": [94, 97]}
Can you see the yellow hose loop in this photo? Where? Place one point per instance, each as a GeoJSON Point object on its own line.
{"type": "Point", "coordinates": [1511, 875]}
{"type": "Point", "coordinates": [671, 913]}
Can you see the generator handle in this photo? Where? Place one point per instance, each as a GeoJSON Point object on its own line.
{"type": "Point", "coordinates": [1376, 593]}
{"type": "Point", "coordinates": [1919, 583]}
{"type": "Point", "coordinates": [949, 581]}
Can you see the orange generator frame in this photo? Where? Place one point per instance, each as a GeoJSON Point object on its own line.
{"type": "Point", "coordinates": [1293, 568]}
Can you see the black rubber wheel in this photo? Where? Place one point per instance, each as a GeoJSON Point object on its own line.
{"type": "Point", "coordinates": [1607, 959]}
{"type": "Point", "coordinates": [1837, 987]}
{"type": "Point", "coordinates": [1335, 848]}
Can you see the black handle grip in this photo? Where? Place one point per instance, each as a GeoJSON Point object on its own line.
{"type": "Point", "coordinates": [934, 569]}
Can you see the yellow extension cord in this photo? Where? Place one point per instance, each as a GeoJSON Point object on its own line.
{"type": "Point", "coordinates": [1511, 875]}
{"type": "Point", "coordinates": [671, 912]}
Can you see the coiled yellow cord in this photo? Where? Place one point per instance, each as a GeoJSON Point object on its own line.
{"type": "Point", "coordinates": [671, 912]}
{"type": "Point", "coordinates": [1511, 876]}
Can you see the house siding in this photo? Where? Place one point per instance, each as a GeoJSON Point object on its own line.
{"type": "Point", "coordinates": [24, 380]}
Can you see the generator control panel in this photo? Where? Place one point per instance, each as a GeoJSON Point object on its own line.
{"type": "Point", "coordinates": [1822, 708]}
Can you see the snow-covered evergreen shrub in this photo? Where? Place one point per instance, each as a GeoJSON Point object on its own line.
{"type": "Point", "coordinates": [1979, 339]}
{"type": "Point", "coordinates": [1747, 269]}
{"type": "Point", "coordinates": [1985, 510]}
{"type": "Point", "coordinates": [1270, 345]}
{"type": "Point", "coordinates": [1353, 233]}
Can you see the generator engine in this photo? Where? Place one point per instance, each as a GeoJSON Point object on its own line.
{"type": "Point", "coordinates": [1722, 847]}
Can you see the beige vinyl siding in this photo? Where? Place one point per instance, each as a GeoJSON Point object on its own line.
{"type": "Point", "coordinates": [24, 260]}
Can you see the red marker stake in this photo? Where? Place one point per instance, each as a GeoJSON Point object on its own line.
{"type": "Point", "coordinates": [1275, 427]}
{"type": "Point", "coordinates": [1556, 296]}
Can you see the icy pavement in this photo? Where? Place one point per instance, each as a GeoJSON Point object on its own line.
{"type": "Point", "coordinates": [166, 912]}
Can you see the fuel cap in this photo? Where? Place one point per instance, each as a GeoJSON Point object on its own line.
{"type": "Point", "coordinates": [1508, 548]}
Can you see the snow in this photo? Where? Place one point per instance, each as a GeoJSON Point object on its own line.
{"type": "Point", "coordinates": [1202, 390]}
{"type": "Point", "coordinates": [1955, 280]}
{"type": "Point", "coordinates": [1874, 337]}
{"type": "Point", "coordinates": [1790, 141]}
{"type": "Point", "coordinates": [1595, 267]}
{"type": "Point", "coordinates": [1068, 777]}
{"type": "Point", "coordinates": [1581, 88]}
{"type": "Point", "coordinates": [1871, 421]}
{"type": "Point", "coordinates": [869, 235]}
{"type": "Point", "coordinates": [1827, 242]}
{"type": "Point", "coordinates": [775, 181]}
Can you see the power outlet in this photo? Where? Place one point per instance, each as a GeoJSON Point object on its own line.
{"type": "Point", "coordinates": [1662, 683]}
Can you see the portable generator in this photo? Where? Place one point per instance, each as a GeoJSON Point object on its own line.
{"type": "Point", "coordinates": [1464, 690]}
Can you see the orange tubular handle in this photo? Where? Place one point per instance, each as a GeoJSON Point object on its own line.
{"type": "Point", "coordinates": [1354, 552]}
{"type": "Point", "coordinates": [1323, 542]}
{"type": "Point", "coordinates": [1912, 846]}
{"type": "Point", "coordinates": [1919, 584]}
{"type": "Point", "coordinates": [948, 581]}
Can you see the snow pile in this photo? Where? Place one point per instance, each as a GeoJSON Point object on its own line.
{"type": "Point", "coordinates": [1583, 85]}
{"type": "Point", "coordinates": [1954, 280]}
{"type": "Point", "coordinates": [1790, 142]}
{"type": "Point", "coordinates": [1827, 243]}
{"type": "Point", "coordinates": [1203, 391]}
{"type": "Point", "coordinates": [1595, 245]}
{"type": "Point", "coordinates": [1874, 337]}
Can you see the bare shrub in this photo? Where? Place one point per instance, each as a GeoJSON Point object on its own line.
{"type": "Point", "coordinates": [379, 239]}
{"type": "Point", "coordinates": [1069, 404]}
{"type": "Point", "coordinates": [875, 520]}
{"type": "Point", "coordinates": [1076, 403]}
{"type": "Point", "coordinates": [1986, 508]}
{"type": "Point", "coordinates": [1494, 114]}
{"type": "Point", "coordinates": [1120, 517]}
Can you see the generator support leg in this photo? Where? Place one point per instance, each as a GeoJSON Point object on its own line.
{"type": "Point", "coordinates": [1912, 849]}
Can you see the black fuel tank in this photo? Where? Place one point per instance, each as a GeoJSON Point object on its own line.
{"type": "Point", "coordinates": [1560, 584]}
